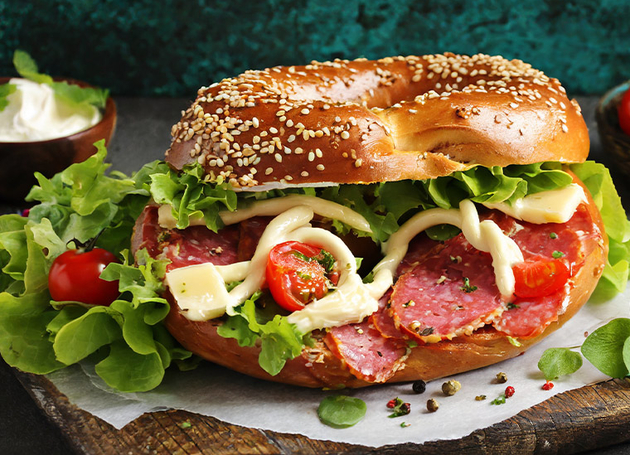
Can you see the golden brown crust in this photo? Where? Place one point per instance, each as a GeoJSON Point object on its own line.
{"type": "Point", "coordinates": [319, 367]}
{"type": "Point", "coordinates": [370, 121]}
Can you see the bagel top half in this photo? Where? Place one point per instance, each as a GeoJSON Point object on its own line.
{"type": "Point", "coordinates": [373, 121]}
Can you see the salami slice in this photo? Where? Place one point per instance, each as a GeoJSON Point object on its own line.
{"type": "Point", "coordinates": [367, 354]}
{"type": "Point", "coordinates": [450, 292]}
{"type": "Point", "coordinates": [529, 317]}
{"type": "Point", "coordinates": [383, 321]}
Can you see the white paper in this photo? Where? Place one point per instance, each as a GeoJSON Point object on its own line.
{"type": "Point", "coordinates": [231, 397]}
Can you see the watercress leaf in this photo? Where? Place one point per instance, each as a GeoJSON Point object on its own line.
{"type": "Point", "coordinates": [77, 95]}
{"type": "Point", "coordinates": [341, 411]}
{"type": "Point", "coordinates": [604, 348]}
{"type": "Point", "coordinates": [556, 362]}
{"type": "Point", "coordinates": [6, 90]}
{"type": "Point", "coordinates": [27, 68]}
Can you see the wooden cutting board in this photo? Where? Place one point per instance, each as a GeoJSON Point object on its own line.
{"type": "Point", "coordinates": [592, 417]}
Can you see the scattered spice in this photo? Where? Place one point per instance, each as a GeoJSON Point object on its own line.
{"type": "Point", "coordinates": [419, 386]}
{"type": "Point", "coordinates": [400, 408]}
{"type": "Point", "coordinates": [450, 388]}
{"type": "Point", "coordinates": [502, 378]}
{"type": "Point", "coordinates": [547, 385]}
{"type": "Point", "coordinates": [509, 391]}
{"type": "Point", "coordinates": [480, 397]}
{"type": "Point", "coordinates": [433, 405]}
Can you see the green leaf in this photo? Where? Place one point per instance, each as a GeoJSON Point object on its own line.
{"type": "Point", "coordinates": [556, 362]}
{"type": "Point", "coordinates": [84, 335]}
{"type": "Point", "coordinates": [127, 371]}
{"type": "Point", "coordinates": [27, 68]}
{"type": "Point", "coordinates": [341, 411]}
{"type": "Point", "coordinates": [605, 347]}
{"type": "Point", "coordinates": [24, 341]}
{"type": "Point", "coordinates": [76, 95]}
{"type": "Point", "coordinates": [6, 90]}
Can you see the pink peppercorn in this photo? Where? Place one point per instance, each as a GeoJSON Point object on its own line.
{"type": "Point", "coordinates": [547, 385]}
{"type": "Point", "coordinates": [509, 391]}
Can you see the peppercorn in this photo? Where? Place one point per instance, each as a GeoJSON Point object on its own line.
{"type": "Point", "coordinates": [501, 378]}
{"type": "Point", "coordinates": [391, 403]}
{"type": "Point", "coordinates": [547, 385]}
{"type": "Point", "coordinates": [432, 405]}
{"type": "Point", "coordinates": [419, 386]}
{"type": "Point", "coordinates": [451, 387]}
{"type": "Point", "coordinates": [509, 391]}
{"type": "Point", "coordinates": [480, 397]}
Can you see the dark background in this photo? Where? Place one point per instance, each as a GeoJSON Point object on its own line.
{"type": "Point", "coordinates": [171, 47]}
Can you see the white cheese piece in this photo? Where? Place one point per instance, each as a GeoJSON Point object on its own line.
{"type": "Point", "coordinates": [200, 291]}
{"type": "Point", "coordinates": [556, 206]}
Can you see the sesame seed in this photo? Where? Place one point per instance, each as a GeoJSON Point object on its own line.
{"type": "Point", "coordinates": [345, 135]}
{"type": "Point", "coordinates": [268, 171]}
{"type": "Point", "coordinates": [320, 167]}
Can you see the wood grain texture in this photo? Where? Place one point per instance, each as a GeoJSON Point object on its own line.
{"type": "Point", "coordinates": [584, 419]}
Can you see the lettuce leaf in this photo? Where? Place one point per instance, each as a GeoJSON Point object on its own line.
{"type": "Point", "coordinates": [599, 183]}
{"type": "Point", "coordinates": [127, 339]}
{"type": "Point", "coordinates": [279, 340]}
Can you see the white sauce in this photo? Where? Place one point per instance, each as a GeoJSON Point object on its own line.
{"type": "Point", "coordinates": [353, 300]}
{"type": "Point", "coordinates": [34, 113]}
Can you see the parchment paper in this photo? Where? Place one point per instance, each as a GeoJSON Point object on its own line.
{"type": "Point", "coordinates": [215, 391]}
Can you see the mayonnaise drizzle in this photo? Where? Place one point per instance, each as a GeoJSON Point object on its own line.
{"type": "Point", "coordinates": [354, 300]}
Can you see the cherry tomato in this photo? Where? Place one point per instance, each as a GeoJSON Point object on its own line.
{"type": "Point", "coordinates": [624, 113]}
{"type": "Point", "coordinates": [298, 273]}
{"type": "Point", "coordinates": [540, 277]}
{"type": "Point", "coordinates": [75, 276]}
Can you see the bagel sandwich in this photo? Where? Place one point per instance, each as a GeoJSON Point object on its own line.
{"type": "Point", "coordinates": [361, 222]}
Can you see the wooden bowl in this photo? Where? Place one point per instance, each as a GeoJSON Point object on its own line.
{"type": "Point", "coordinates": [614, 140]}
{"type": "Point", "coordinates": [19, 160]}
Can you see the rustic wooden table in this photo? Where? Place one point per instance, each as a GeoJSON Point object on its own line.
{"type": "Point", "coordinates": [36, 419]}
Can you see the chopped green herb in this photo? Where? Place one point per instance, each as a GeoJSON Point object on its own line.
{"type": "Point", "coordinates": [411, 344]}
{"type": "Point", "coordinates": [185, 425]}
{"type": "Point", "coordinates": [553, 235]}
{"type": "Point", "coordinates": [514, 342]}
{"type": "Point", "coordinates": [557, 254]}
{"type": "Point", "coordinates": [405, 425]}
{"type": "Point", "coordinates": [499, 400]}
{"type": "Point", "coordinates": [467, 287]}
{"type": "Point", "coordinates": [512, 306]}
{"type": "Point", "coordinates": [327, 260]}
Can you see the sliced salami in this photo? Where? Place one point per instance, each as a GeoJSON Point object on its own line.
{"type": "Point", "coordinates": [529, 317]}
{"type": "Point", "coordinates": [367, 354]}
{"type": "Point", "coordinates": [450, 292]}
{"type": "Point", "coordinates": [383, 321]}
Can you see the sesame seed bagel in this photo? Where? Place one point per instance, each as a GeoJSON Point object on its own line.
{"type": "Point", "coordinates": [372, 121]}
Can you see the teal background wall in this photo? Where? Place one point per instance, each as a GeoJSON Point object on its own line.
{"type": "Point", "coordinates": [170, 48]}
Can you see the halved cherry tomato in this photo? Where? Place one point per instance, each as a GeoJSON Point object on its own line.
{"type": "Point", "coordinates": [624, 113]}
{"type": "Point", "coordinates": [540, 277]}
{"type": "Point", "coordinates": [75, 276]}
{"type": "Point", "coordinates": [298, 273]}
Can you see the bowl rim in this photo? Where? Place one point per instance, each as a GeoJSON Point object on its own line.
{"type": "Point", "coordinates": [108, 112]}
{"type": "Point", "coordinates": [610, 95]}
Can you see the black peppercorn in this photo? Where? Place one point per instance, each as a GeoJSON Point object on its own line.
{"type": "Point", "coordinates": [419, 386]}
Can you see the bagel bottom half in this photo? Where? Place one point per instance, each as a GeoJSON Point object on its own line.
{"type": "Point", "coordinates": [319, 367]}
